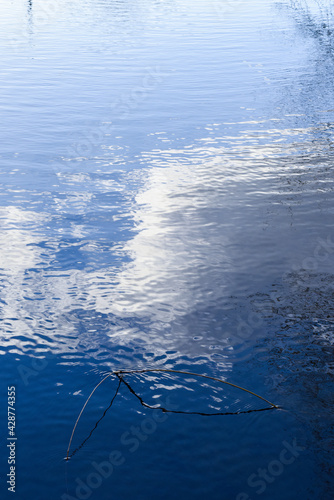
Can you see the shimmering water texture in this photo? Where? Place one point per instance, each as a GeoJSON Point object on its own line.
{"type": "Point", "coordinates": [166, 203]}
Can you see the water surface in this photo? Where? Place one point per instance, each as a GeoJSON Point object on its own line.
{"type": "Point", "coordinates": [167, 202]}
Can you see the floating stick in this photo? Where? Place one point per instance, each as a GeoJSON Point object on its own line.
{"type": "Point", "coordinates": [84, 406]}
{"type": "Point", "coordinates": [119, 374]}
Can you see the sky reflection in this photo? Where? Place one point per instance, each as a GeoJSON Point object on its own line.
{"type": "Point", "coordinates": [196, 212]}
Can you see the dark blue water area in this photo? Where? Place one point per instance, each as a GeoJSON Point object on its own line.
{"type": "Point", "coordinates": [166, 202]}
{"type": "Point", "coordinates": [142, 453]}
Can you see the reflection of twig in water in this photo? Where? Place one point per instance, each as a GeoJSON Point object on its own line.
{"type": "Point", "coordinates": [119, 374]}
{"type": "Point", "coordinates": [165, 410]}
{"type": "Point", "coordinates": [97, 423]}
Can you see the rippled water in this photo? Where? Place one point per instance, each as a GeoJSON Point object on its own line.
{"type": "Point", "coordinates": [167, 202]}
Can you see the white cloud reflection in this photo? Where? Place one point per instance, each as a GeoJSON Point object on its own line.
{"type": "Point", "coordinates": [180, 257]}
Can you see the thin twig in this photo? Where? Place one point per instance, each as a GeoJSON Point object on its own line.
{"type": "Point", "coordinates": [97, 423]}
{"type": "Point", "coordinates": [84, 406]}
{"type": "Point", "coordinates": [119, 374]}
{"type": "Point", "coordinates": [183, 412]}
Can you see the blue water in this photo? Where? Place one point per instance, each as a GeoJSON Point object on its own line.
{"type": "Point", "coordinates": [167, 203]}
